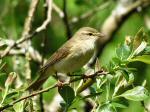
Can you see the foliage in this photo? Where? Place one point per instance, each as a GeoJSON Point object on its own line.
{"type": "Point", "coordinates": [117, 84]}
{"type": "Point", "coordinates": [125, 84]}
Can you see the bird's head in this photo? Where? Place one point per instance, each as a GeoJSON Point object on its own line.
{"type": "Point", "coordinates": [88, 33]}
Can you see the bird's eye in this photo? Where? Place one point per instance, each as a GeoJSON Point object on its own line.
{"type": "Point", "coordinates": [90, 34]}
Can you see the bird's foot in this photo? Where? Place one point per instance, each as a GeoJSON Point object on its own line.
{"type": "Point", "coordinates": [60, 83]}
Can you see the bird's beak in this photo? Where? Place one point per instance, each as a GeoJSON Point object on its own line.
{"type": "Point", "coordinates": [101, 35]}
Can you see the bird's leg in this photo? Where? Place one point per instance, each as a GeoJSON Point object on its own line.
{"type": "Point", "coordinates": [68, 74]}
{"type": "Point", "coordinates": [71, 78]}
{"type": "Point", "coordinates": [56, 75]}
{"type": "Point", "coordinates": [59, 84]}
{"type": "Point", "coordinates": [59, 80]}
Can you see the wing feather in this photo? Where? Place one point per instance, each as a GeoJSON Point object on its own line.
{"type": "Point", "coordinates": [57, 56]}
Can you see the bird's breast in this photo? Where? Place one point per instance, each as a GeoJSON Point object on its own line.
{"type": "Point", "coordinates": [79, 55]}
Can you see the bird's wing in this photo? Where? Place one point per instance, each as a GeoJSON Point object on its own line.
{"type": "Point", "coordinates": [57, 56]}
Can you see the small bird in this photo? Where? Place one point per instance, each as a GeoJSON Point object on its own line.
{"type": "Point", "coordinates": [71, 56]}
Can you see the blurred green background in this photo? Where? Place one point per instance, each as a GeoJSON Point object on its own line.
{"type": "Point", "coordinates": [14, 12]}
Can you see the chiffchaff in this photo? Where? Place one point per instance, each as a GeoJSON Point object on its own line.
{"type": "Point", "coordinates": [73, 55]}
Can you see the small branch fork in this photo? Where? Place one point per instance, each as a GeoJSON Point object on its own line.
{"type": "Point", "coordinates": [96, 74]}
{"type": "Point", "coordinates": [113, 22]}
{"type": "Point", "coordinates": [26, 35]}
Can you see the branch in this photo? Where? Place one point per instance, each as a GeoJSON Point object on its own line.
{"type": "Point", "coordinates": [89, 13]}
{"type": "Point", "coordinates": [118, 16]}
{"type": "Point", "coordinates": [98, 73]}
{"type": "Point", "coordinates": [34, 54]}
{"type": "Point", "coordinates": [27, 26]}
{"type": "Point", "coordinates": [58, 10]}
{"type": "Point", "coordinates": [64, 16]}
{"type": "Point", "coordinates": [47, 21]}
{"type": "Point", "coordinates": [15, 52]}
{"type": "Point", "coordinates": [65, 19]}
{"type": "Point", "coordinates": [44, 39]}
{"type": "Point", "coordinates": [26, 31]}
{"type": "Point", "coordinates": [26, 97]}
{"type": "Point", "coordinates": [30, 36]}
{"type": "Point", "coordinates": [30, 17]}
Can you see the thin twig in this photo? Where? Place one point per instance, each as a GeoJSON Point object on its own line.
{"type": "Point", "coordinates": [30, 17]}
{"type": "Point", "coordinates": [65, 19]}
{"type": "Point", "coordinates": [26, 97]}
{"type": "Point", "coordinates": [30, 36]}
{"type": "Point", "coordinates": [48, 19]}
{"type": "Point", "coordinates": [43, 53]}
{"type": "Point", "coordinates": [99, 73]}
{"type": "Point", "coordinates": [26, 31]}
{"type": "Point", "coordinates": [27, 26]}
{"type": "Point", "coordinates": [58, 10]}
{"type": "Point", "coordinates": [89, 13]}
{"type": "Point", "coordinates": [118, 16]}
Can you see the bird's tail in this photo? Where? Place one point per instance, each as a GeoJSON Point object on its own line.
{"type": "Point", "coordinates": [38, 82]}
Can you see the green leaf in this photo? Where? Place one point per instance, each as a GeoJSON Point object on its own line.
{"type": "Point", "coordinates": [140, 48]}
{"type": "Point", "coordinates": [92, 95]}
{"type": "Point", "coordinates": [12, 94]}
{"type": "Point", "coordinates": [10, 79]}
{"type": "Point", "coordinates": [143, 58]}
{"type": "Point", "coordinates": [125, 74]}
{"type": "Point", "coordinates": [139, 37]}
{"type": "Point", "coordinates": [123, 52]}
{"type": "Point", "coordinates": [138, 93]}
{"type": "Point", "coordinates": [115, 104]}
{"type": "Point", "coordinates": [117, 61]}
{"type": "Point", "coordinates": [131, 79]}
{"type": "Point", "coordinates": [19, 107]}
{"type": "Point", "coordinates": [67, 93]}
{"type": "Point", "coordinates": [4, 94]}
{"type": "Point", "coordinates": [147, 50]}
{"type": "Point", "coordinates": [106, 108]}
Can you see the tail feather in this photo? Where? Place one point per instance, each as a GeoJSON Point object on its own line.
{"type": "Point", "coordinates": [37, 84]}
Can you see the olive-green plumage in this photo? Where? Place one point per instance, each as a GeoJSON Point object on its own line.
{"type": "Point", "coordinates": [71, 56]}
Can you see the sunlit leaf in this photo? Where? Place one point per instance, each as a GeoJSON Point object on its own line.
{"type": "Point", "coordinates": [138, 93]}
{"type": "Point", "coordinates": [19, 107]}
{"type": "Point", "coordinates": [11, 77]}
{"type": "Point", "coordinates": [147, 50]}
{"type": "Point", "coordinates": [117, 61]}
{"type": "Point", "coordinates": [4, 94]}
{"type": "Point", "coordinates": [123, 52]}
{"type": "Point", "coordinates": [131, 79]}
{"type": "Point", "coordinates": [12, 94]}
{"type": "Point", "coordinates": [125, 74]}
{"type": "Point", "coordinates": [115, 104]}
{"type": "Point", "coordinates": [143, 58]}
{"type": "Point", "coordinates": [106, 108]}
{"type": "Point", "coordinates": [139, 37]}
{"type": "Point", "coordinates": [92, 95]}
{"type": "Point", "coordinates": [140, 48]}
{"type": "Point", "coordinates": [85, 85]}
